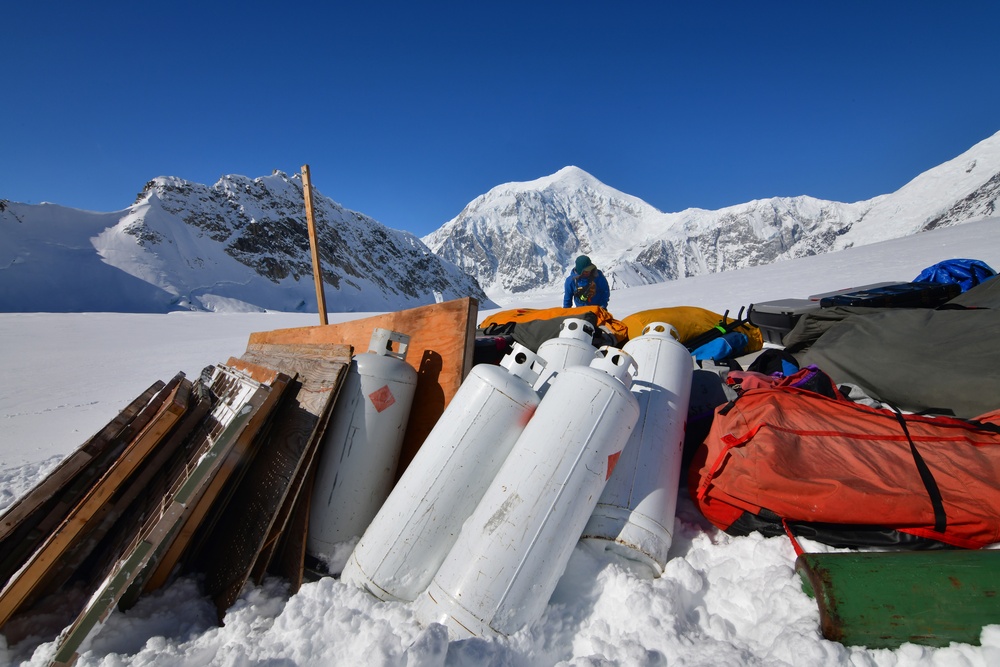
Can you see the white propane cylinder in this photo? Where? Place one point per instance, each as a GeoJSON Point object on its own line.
{"type": "Point", "coordinates": [502, 570]}
{"type": "Point", "coordinates": [361, 448]}
{"type": "Point", "coordinates": [635, 515]}
{"type": "Point", "coordinates": [410, 536]}
{"type": "Point", "coordinates": [574, 346]}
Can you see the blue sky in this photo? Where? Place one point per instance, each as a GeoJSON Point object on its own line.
{"type": "Point", "coordinates": [407, 111]}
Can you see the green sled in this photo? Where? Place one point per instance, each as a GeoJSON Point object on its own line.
{"type": "Point", "coordinates": [885, 599]}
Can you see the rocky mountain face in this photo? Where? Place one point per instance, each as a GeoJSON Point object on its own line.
{"type": "Point", "coordinates": [261, 224]}
{"type": "Point", "coordinates": [521, 237]}
{"type": "Point", "coordinates": [981, 203]}
{"type": "Point", "coordinates": [241, 244]}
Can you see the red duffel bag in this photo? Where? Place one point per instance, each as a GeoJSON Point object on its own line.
{"type": "Point", "coordinates": [849, 475]}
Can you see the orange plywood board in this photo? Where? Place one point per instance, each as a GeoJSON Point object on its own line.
{"type": "Point", "coordinates": [442, 337]}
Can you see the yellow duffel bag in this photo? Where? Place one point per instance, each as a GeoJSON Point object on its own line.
{"type": "Point", "coordinates": [690, 321]}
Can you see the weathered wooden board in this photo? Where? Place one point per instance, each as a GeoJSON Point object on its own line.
{"type": "Point", "coordinates": [142, 497]}
{"type": "Point", "coordinates": [84, 566]}
{"type": "Point", "coordinates": [283, 553]}
{"type": "Point", "coordinates": [242, 402]}
{"type": "Point", "coordinates": [230, 553]}
{"type": "Point", "coordinates": [442, 338]}
{"type": "Point", "coordinates": [231, 386]}
{"type": "Point", "coordinates": [72, 466]}
{"type": "Point", "coordinates": [33, 575]}
{"type": "Point", "coordinates": [30, 521]}
{"type": "Point", "coordinates": [239, 461]}
{"type": "Point", "coordinates": [206, 449]}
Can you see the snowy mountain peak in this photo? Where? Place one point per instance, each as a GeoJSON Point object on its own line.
{"type": "Point", "coordinates": [964, 188]}
{"type": "Point", "coordinates": [568, 178]}
{"type": "Point", "coordinates": [519, 236]}
{"type": "Point", "coordinates": [523, 237]}
{"type": "Point", "coordinates": [241, 244]}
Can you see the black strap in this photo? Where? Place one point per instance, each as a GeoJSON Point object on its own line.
{"type": "Point", "coordinates": [926, 476]}
{"type": "Point", "coordinates": [983, 426]}
{"type": "Point", "coordinates": [727, 407]}
{"type": "Point", "coordinates": [722, 328]}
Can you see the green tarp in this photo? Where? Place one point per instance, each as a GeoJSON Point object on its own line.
{"type": "Point", "coordinates": [918, 359]}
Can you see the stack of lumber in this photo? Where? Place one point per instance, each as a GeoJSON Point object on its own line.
{"type": "Point", "coordinates": [212, 476]}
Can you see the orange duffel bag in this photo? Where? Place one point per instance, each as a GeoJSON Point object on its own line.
{"type": "Point", "coordinates": [846, 474]}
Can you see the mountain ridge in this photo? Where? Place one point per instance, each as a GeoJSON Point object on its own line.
{"type": "Point", "coordinates": [242, 245]}
{"type": "Point", "coordinates": [513, 250]}
{"type": "Point", "coordinates": [238, 245]}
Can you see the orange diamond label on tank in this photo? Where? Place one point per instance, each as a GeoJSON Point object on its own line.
{"type": "Point", "coordinates": [612, 462]}
{"type": "Point", "coordinates": [382, 398]}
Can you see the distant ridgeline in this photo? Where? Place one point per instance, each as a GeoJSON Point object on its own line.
{"type": "Point", "coordinates": [520, 237]}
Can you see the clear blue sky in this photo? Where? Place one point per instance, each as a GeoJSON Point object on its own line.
{"type": "Point", "coordinates": [406, 111]}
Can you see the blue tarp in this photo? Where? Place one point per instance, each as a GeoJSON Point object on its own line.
{"type": "Point", "coordinates": [966, 272]}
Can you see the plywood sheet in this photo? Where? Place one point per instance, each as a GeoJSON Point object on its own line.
{"type": "Point", "coordinates": [885, 599]}
{"type": "Point", "coordinates": [442, 337]}
{"type": "Point", "coordinates": [283, 553]}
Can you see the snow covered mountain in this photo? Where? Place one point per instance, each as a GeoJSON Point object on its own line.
{"type": "Point", "coordinates": [239, 245]}
{"type": "Point", "coordinates": [242, 244]}
{"type": "Point", "coordinates": [522, 237]}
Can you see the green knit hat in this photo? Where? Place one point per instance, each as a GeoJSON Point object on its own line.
{"type": "Point", "coordinates": [583, 263]}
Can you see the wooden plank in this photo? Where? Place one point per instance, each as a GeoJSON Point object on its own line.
{"type": "Point", "coordinates": [289, 551]}
{"type": "Point", "coordinates": [224, 380]}
{"type": "Point", "coordinates": [78, 635]}
{"type": "Point", "coordinates": [241, 460]}
{"type": "Point", "coordinates": [885, 599]}
{"type": "Point", "coordinates": [45, 507]}
{"type": "Point", "coordinates": [231, 552]}
{"type": "Point", "coordinates": [283, 553]}
{"type": "Point", "coordinates": [34, 572]}
{"type": "Point", "coordinates": [143, 496]}
{"type": "Point", "coordinates": [153, 541]}
{"type": "Point", "coordinates": [205, 451]}
{"type": "Point", "coordinates": [313, 244]}
{"type": "Point", "coordinates": [71, 466]}
{"type": "Point", "coordinates": [88, 560]}
{"type": "Point", "coordinates": [84, 566]}
{"type": "Point", "coordinates": [442, 337]}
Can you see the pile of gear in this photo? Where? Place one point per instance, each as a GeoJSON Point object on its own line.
{"type": "Point", "coordinates": [903, 363]}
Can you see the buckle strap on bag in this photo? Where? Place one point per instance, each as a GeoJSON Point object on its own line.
{"type": "Point", "coordinates": [926, 476]}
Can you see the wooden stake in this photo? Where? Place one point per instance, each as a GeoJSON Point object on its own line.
{"type": "Point", "coordinates": [314, 244]}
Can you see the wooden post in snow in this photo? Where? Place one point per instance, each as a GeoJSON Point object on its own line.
{"type": "Point", "coordinates": [314, 244]}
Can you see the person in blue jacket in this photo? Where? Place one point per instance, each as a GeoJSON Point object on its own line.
{"type": "Point", "coordinates": [586, 285]}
